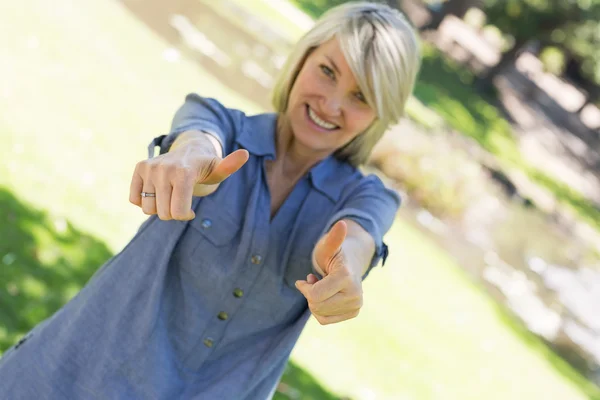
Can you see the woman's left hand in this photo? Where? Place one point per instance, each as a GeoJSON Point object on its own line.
{"type": "Point", "coordinates": [338, 296]}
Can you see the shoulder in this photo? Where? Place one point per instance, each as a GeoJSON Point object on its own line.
{"type": "Point", "coordinates": [211, 107]}
{"type": "Point", "coordinates": [372, 186]}
{"type": "Point", "coordinates": [343, 182]}
{"type": "Point", "coordinates": [231, 126]}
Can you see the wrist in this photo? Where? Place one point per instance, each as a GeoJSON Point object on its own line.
{"type": "Point", "coordinates": [357, 265]}
{"type": "Point", "coordinates": [198, 141]}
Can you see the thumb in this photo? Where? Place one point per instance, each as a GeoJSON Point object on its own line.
{"type": "Point", "coordinates": [227, 166]}
{"type": "Point", "coordinates": [333, 240]}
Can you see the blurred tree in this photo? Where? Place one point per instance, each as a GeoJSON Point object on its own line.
{"type": "Point", "coordinates": [317, 7]}
{"type": "Point", "coordinates": [572, 24]}
{"type": "Point", "coordinates": [458, 8]}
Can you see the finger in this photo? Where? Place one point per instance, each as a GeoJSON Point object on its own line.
{"type": "Point", "coordinates": [304, 288]}
{"type": "Point", "coordinates": [312, 278]}
{"type": "Point", "coordinates": [336, 318]}
{"type": "Point", "coordinates": [321, 290]}
{"type": "Point", "coordinates": [148, 203]}
{"type": "Point", "coordinates": [163, 201]}
{"type": "Point", "coordinates": [181, 200]}
{"type": "Point", "coordinates": [227, 166]}
{"type": "Point", "coordinates": [338, 304]}
{"type": "Point", "coordinates": [135, 188]}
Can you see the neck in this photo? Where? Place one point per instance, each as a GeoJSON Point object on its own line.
{"type": "Point", "coordinates": [292, 159]}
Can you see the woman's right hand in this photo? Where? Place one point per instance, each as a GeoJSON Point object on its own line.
{"type": "Point", "coordinates": [189, 169]}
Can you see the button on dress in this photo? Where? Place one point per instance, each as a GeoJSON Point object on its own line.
{"type": "Point", "coordinates": [201, 309]}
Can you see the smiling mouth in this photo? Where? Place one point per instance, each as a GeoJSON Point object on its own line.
{"type": "Point", "coordinates": [318, 121]}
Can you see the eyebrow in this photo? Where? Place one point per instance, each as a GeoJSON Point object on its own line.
{"type": "Point", "coordinates": [334, 66]}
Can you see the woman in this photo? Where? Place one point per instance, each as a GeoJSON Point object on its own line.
{"type": "Point", "coordinates": [256, 222]}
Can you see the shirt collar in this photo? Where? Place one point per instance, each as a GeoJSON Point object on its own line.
{"type": "Point", "coordinates": [258, 137]}
{"type": "Point", "coordinates": [325, 177]}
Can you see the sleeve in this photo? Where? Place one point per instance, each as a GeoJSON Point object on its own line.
{"type": "Point", "coordinates": [203, 114]}
{"type": "Point", "coordinates": [373, 206]}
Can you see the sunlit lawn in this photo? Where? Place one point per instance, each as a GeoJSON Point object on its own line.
{"type": "Point", "coordinates": [85, 90]}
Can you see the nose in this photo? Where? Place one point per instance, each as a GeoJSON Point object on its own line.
{"type": "Point", "coordinates": [331, 105]}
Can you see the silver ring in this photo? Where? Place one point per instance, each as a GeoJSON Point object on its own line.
{"type": "Point", "coordinates": [146, 194]}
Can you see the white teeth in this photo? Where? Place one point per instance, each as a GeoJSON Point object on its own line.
{"type": "Point", "coordinates": [319, 121]}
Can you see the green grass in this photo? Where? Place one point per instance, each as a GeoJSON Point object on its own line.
{"type": "Point", "coordinates": [97, 90]}
{"type": "Point", "coordinates": [45, 261]}
{"type": "Point", "coordinates": [73, 130]}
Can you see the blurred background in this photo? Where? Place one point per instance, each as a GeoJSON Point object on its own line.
{"type": "Point", "coordinates": [492, 287]}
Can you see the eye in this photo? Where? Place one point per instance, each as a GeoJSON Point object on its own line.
{"type": "Point", "coordinates": [327, 71]}
{"type": "Point", "coordinates": [361, 97]}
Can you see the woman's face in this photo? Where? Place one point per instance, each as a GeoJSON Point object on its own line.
{"type": "Point", "coordinates": [326, 108]}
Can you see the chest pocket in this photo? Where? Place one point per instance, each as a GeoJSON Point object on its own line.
{"type": "Point", "coordinates": [208, 247]}
{"type": "Point", "coordinates": [298, 267]}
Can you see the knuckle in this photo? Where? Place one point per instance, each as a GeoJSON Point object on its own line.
{"type": "Point", "coordinates": [154, 168]}
{"type": "Point", "coordinates": [314, 308]}
{"type": "Point", "coordinates": [164, 215]}
{"type": "Point", "coordinates": [183, 171]}
{"type": "Point", "coordinates": [169, 170]}
{"type": "Point", "coordinates": [141, 165]}
{"type": "Point", "coordinates": [183, 174]}
{"type": "Point", "coordinates": [177, 213]}
{"type": "Point", "coordinates": [180, 217]}
{"type": "Point", "coordinates": [356, 300]}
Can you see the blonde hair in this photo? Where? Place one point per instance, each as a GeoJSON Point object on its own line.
{"type": "Point", "coordinates": [383, 52]}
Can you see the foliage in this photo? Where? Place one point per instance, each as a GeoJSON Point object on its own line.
{"type": "Point", "coordinates": [553, 60]}
{"type": "Point", "coordinates": [315, 8]}
{"type": "Point", "coordinates": [441, 178]}
{"type": "Point", "coordinates": [583, 41]}
{"type": "Point", "coordinates": [447, 88]}
{"type": "Point", "coordinates": [573, 24]}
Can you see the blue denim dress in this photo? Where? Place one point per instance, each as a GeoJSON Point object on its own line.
{"type": "Point", "coordinates": [201, 309]}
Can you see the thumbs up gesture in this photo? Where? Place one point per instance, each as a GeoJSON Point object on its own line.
{"type": "Point", "coordinates": [338, 296]}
